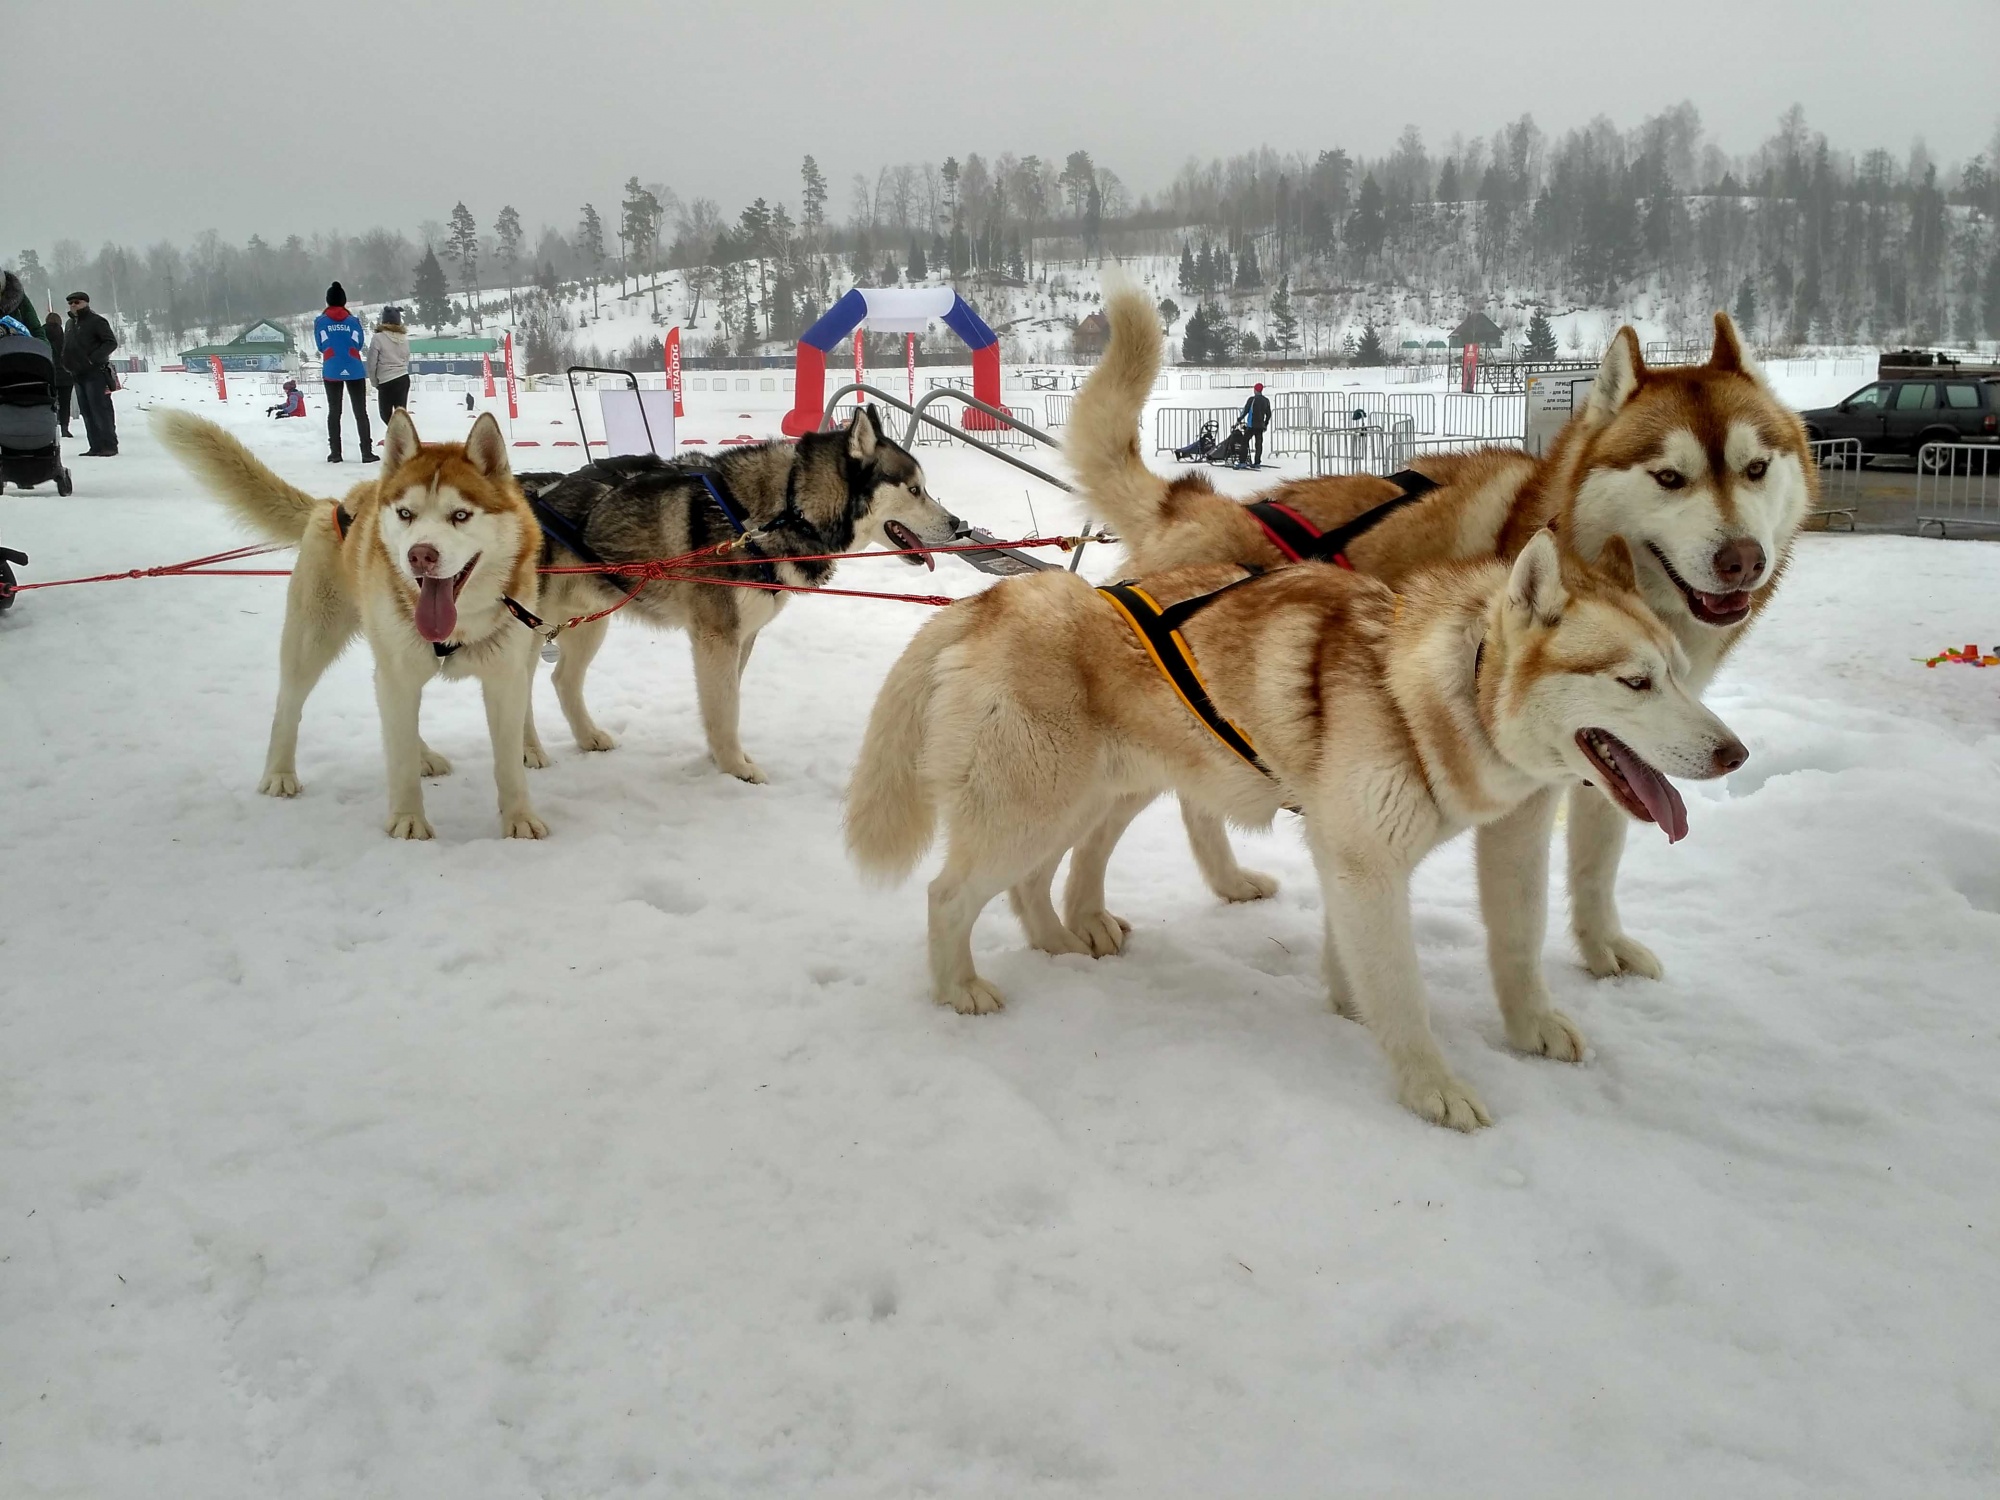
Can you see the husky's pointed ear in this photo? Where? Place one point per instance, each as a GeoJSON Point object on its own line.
{"type": "Point", "coordinates": [1728, 352]}
{"type": "Point", "coordinates": [1535, 587]}
{"type": "Point", "coordinates": [400, 444]}
{"type": "Point", "coordinates": [486, 449]}
{"type": "Point", "coordinates": [862, 435]}
{"type": "Point", "coordinates": [1617, 377]}
{"type": "Point", "coordinates": [1615, 563]}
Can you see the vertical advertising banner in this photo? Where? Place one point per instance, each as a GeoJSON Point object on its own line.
{"type": "Point", "coordinates": [910, 353]}
{"type": "Point", "coordinates": [221, 385]}
{"type": "Point", "coordinates": [513, 407]}
{"type": "Point", "coordinates": [674, 368]}
{"type": "Point", "coordinates": [486, 369]}
{"type": "Point", "coordinates": [1469, 369]}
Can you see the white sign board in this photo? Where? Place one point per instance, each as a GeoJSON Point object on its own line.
{"type": "Point", "coordinates": [1552, 396]}
{"type": "Point", "coordinates": [626, 426]}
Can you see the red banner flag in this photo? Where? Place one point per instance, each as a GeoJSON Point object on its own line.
{"type": "Point", "coordinates": [513, 407]}
{"type": "Point", "coordinates": [221, 385]}
{"type": "Point", "coordinates": [1469, 369]}
{"type": "Point", "coordinates": [674, 368]}
{"type": "Point", "coordinates": [910, 354]}
{"type": "Point", "coordinates": [857, 361]}
{"type": "Point", "coordinates": [486, 369]}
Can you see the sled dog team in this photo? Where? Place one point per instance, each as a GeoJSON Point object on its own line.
{"type": "Point", "coordinates": [1397, 659]}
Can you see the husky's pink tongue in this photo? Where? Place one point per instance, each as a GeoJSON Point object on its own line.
{"type": "Point", "coordinates": [1653, 789]}
{"type": "Point", "coordinates": [437, 609]}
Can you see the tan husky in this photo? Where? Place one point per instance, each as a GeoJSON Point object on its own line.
{"type": "Point", "coordinates": [433, 560]}
{"type": "Point", "coordinates": [1032, 713]}
{"type": "Point", "coordinates": [1703, 470]}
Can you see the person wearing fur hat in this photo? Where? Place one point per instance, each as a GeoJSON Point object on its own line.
{"type": "Point", "coordinates": [339, 337]}
{"type": "Point", "coordinates": [389, 363]}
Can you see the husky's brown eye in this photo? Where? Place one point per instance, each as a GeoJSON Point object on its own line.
{"type": "Point", "coordinates": [1638, 684]}
{"type": "Point", "coordinates": [1668, 479]}
{"type": "Point", "coordinates": [404, 513]}
{"type": "Point", "coordinates": [1756, 469]}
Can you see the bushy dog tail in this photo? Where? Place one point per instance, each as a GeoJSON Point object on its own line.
{"type": "Point", "coordinates": [261, 500]}
{"type": "Point", "coordinates": [891, 815]}
{"type": "Point", "coordinates": [1103, 440]}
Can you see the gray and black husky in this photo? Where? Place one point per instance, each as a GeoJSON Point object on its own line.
{"type": "Point", "coordinates": [831, 492]}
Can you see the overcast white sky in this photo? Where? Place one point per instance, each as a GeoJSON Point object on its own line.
{"type": "Point", "coordinates": [160, 118]}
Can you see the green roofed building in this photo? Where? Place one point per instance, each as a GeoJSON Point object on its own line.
{"type": "Point", "coordinates": [262, 346]}
{"type": "Point", "coordinates": [453, 356]}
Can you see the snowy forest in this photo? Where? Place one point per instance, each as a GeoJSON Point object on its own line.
{"type": "Point", "coordinates": [1810, 244]}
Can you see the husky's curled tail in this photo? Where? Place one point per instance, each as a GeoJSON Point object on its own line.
{"type": "Point", "coordinates": [261, 500]}
{"type": "Point", "coordinates": [891, 809]}
{"type": "Point", "coordinates": [1103, 441]}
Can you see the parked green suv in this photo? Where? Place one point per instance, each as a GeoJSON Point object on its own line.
{"type": "Point", "coordinates": [1900, 416]}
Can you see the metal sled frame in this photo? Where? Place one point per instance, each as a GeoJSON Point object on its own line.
{"type": "Point", "coordinates": [576, 405]}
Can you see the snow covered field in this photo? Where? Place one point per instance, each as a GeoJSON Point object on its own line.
{"type": "Point", "coordinates": [637, 1162]}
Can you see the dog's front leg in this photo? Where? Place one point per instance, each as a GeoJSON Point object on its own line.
{"type": "Point", "coordinates": [1513, 859]}
{"type": "Point", "coordinates": [1596, 843]}
{"type": "Point", "coordinates": [507, 684]}
{"type": "Point", "coordinates": [399, 697]}
{"type": "Point", "coordinates": [718, 667]}
{"type": "Point", "coordinates": [1367, 895]}
{"type": "Point", "coordinates": [579, 646]}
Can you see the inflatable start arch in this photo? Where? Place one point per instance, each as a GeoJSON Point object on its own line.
{"type": "Point", "coordinates": [892, 310]}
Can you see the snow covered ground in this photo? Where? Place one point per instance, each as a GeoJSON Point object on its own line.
{"type": "Point", "coordinates": [637, 1162]}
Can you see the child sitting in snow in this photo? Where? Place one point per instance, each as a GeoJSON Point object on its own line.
{"type": "Point", "coordinates": [294, 404]}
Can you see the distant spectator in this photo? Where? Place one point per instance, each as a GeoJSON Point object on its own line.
{"type": "Point", "coordinates": [294, 404]}
{"type": "Point", "coordinates": [65, 382]}
{"type": "Point", "coordinates": [338, 334]}
{"type": "Point", "coordinates": [389, 363]}
{"type": "Point", "coordinates": [1257, 416]}
{"type": "Point", "coordinates": [87, 345]}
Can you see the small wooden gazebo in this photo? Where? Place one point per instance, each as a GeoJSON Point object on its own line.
{"type": "Point", "coordinates": [1476, 329]}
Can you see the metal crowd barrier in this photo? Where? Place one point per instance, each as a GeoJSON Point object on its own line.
{"type": "Point", "coordinates": [1177, 426]}
{"type": "Point", "coordinates": [1362, 449]}
{"type": "Point", "coordinates": [1485, 416]}
{"type": "Point", "coordinates": [1058, 404]}
{"type": "Point", "coordinates": [1839, 463]}
{"type": "Point", "coordinates": [1958, 484]}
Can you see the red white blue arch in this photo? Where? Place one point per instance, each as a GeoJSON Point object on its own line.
{"type": "Point", "coordinates": [891, 310]}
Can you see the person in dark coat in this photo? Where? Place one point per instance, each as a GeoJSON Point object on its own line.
{"type": "Point", "coordinates": [1256, 416]}
{"type": "Point", "coordinates": [65, 382]}
{"type": "Point", "coordinates": [88, 343]}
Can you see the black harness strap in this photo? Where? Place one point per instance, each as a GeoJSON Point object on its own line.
{"type": "Point", "coordinates": [1301, 541]}
{"type": "Point", "coordinates": [1158, 629]}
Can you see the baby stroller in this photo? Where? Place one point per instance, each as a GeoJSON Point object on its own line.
{"type": "Point", "coordinates": [1233, 450]}
{"type": "Point", "coordinates": [30, 447]}
{"type": "Point", "coordinates": [1200, 448]}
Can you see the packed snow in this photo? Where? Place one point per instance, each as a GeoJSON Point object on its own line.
{"type": "Point", "coordinates": [637, 1161]}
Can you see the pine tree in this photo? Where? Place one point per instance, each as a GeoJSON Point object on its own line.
{"type": "Point", "coordinates": [1248, 277]}
{"type": "Point", "coordinates": [1990, 296]}
{"type": "Point", "coordinates": [1170, 313]}
{"type": "Point", "coordinates": [1367, 227]}
{"type": "Point", "coordinates": [590, 249]}
{"type": "Point", "coordinates": [1198, 343]}
{"type": "Point", "coordinates": [1541, 337]}
{"type": "Point", "coordinates": [1369, 351]}
{"type": "Point", "coordinates": [1745, 311]}
{"type": "Point", "coordinates": [1190, 280]}
{"type": "Point", "coordinates": [433, 292]}
{"type": "Point", "coordinates": [1284, 322]}
{"type": "Point", "coordinates": [916, 268]}
{"type": "Point", "coordinates": [507, 247]}
{"type": "Point", "coordinates": [463, 247]}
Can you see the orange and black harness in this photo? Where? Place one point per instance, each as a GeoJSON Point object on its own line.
{"type": "Point", "coordinates": [342, 519]}
{"type": "Point", "coordinates": [1158, 626]}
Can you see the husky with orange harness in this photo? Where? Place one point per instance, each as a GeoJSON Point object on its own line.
{"type": "Point", "coordinates": [433, 560]}
{"type": "Point", "coordinates": [1042, 709]}
{"type": "Point", "coordinates": [1702, 470]}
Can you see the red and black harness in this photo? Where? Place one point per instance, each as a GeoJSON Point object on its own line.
{"type": "Point", "coordinates": [1301, 541]}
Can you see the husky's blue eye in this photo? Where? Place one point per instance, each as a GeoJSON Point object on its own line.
{"type": "Point", "coordinates": [404, 514]}
{"type": "Point", "coordinates": [1668, 479]}
{"type": "Point", "coordinates": [1638, 684]}
{"type": "Point", "coordinates": [1756, 469]}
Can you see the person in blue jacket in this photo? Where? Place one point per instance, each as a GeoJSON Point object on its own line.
{"type": "Point", "coordinates": [339, 335]}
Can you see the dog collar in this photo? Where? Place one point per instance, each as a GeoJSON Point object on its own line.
{"type": "Point", "coordinates": [518, 610]}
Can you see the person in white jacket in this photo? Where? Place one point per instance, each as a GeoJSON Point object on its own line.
{"type": "Point", "coordinates": [389, 362]}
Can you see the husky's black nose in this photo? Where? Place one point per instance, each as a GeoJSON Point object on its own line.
{"type": "Point", "coordinates": [1739, 562]}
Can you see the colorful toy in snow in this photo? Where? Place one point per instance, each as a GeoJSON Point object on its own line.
{"type": "Point", "coordinates": [1969, 657]}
